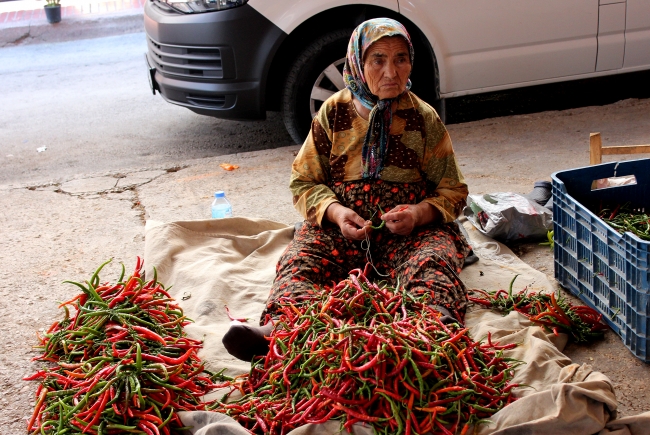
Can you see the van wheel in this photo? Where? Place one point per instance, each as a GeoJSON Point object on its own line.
{"type": "Point", "coordinates": [315, 75]}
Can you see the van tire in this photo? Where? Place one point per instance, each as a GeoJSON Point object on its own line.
{"type": "Point", "coordinates": [304, 71]}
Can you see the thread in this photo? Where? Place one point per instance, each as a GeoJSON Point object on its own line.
{"type": "Point", "coordinates": [491, 251]}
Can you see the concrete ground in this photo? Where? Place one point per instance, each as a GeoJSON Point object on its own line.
{"type": "Point", "coordinates": [64, 230]}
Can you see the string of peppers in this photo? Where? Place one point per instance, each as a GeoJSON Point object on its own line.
{"type": "Point", "coordinates": [367, 353]}
{"type": "Point", "coordinates": [120, 364]}
{"type": "Point", "coordinates": [382, 224]}
{"type": "Point", "coordinates": [583, 324]}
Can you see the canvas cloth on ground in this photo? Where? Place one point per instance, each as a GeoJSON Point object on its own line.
{"type": "Point", "coordinates": [213, 263]}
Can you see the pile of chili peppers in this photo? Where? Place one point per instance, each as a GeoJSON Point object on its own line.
{"type": "Point", "coordinates": [366, 353]}
{"type": "Point", "coordinates": [583, 324]}
{"type": "Point", "coordinates": [120, 364]}
{"type": "Point", "coordinates": [627, 219]}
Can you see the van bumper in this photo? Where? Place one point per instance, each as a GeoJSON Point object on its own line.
{"type": "Point", "coordinates": [213, 63]}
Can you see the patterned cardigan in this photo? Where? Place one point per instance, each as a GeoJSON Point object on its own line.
{"type": "Point", "coordinates": [419, 148]}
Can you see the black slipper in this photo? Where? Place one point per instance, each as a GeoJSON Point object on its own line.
{"type": "Point", "coordinates": [246, 342]}
{"type": "Point", "coordinates": [446, 318]}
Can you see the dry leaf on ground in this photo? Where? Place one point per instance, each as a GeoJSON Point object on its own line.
{"type": "Point", "coordinates": [229, 167]}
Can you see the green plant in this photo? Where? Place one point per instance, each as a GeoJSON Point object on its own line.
{"type": "Point", "coordinates": [53, 2]}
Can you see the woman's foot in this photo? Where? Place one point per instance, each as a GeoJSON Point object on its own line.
{"type": "Point", "coordinates": [245, 342]}
{"type": "Point", "coordinates": [446, 317]}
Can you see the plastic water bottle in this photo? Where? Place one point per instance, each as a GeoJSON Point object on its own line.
{"type": "Point", "coordinates": [221, 207]}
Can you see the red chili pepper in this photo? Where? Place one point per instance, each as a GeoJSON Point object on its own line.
{"type": "Point", "coordinates": [147, 416]}
{"type": "Point", "coordinates": [179, 360]}
{"type": "Point", "coordinates": [368, 365]}
{"type": "Point", "coordinates": [241, 319]}
{"type": "Point", "coordinates": [456, 337]}
{"type": "Point", "coordinates": [39, 374]}
{"type": "Point", "coordinates": [323, 419]}
{"type": "Point", "coordinates": [615, 212]}
{"type": "Point", "coordinates": [78, 297]}
{"type": "Point", "coordinates": [480, 301]}
{"type": "Point", "coordinates": [442, 428]}
{"type": "Point", "coordinates": [148, 334]}
{"type": "Point", "coordinates": [153, 358]}
{"type": "Point", "coordinates": [37, 409]}
{"type": "Point", "coordinates": [286, 370]}
{"type": "Point", "coordinates": [356, 414]}
{"type": "Point", "coordinates": [98, 412]}
{"type": "Point", "coordinates": [339, 399]}
{"type": "Point", "coordinates": [80, 426]}
{"type": "Point", "coordinates": [117, 337]}
{"type": "Point", "coordinates": [142, 424]}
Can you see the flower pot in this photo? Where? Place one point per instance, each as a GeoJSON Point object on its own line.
{"type": "Point", "coordinates": [53, 13]}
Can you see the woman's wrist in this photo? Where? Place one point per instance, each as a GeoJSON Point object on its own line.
{"type": "Point", "coordinates": [330, 212]}
{"type": "Point", "coordinates": [427, 214]}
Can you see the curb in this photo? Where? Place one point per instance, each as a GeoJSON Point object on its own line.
{"type": "Point", "coordinates": [40, 31]}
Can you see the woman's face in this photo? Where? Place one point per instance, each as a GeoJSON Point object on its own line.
{"type": "Point", "coordinates": [387, 66]}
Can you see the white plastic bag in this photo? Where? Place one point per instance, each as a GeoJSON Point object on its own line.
{"type": "Point", "coordinates": [508, 216]}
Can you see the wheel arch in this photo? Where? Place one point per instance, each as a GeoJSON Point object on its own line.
{"type": "Point", "coordinates": [425, 66]}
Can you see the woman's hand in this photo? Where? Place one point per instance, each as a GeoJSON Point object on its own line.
{"type": "Point", "coordinates": [352, 226]}
{"type": "Point", "coordinates": [404, 218]}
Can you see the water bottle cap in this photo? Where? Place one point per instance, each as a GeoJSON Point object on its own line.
{"type": "Point", "coordinates": [219, 194]}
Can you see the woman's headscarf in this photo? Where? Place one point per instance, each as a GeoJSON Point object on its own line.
{"type": "Point", "coordinates": [381, 114]}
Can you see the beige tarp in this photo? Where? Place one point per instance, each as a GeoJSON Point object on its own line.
{"type": "Point", "coordinates": [213, 263]}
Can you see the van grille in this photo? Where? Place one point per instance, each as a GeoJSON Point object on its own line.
{"type": "Point", "coordinates": [212, 102]}
{"type": "Point", "coordinates": [186, 61]}
{"type": "Point", "coordinates": [165, 7]}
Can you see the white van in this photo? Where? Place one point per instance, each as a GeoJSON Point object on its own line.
{"type": "Point", "coordinates": [240, 58]}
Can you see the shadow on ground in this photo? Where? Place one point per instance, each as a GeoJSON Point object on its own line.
{"type": "Point", "coordinates": [557, 96]}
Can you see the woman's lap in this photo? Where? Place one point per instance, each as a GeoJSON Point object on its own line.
{"type": "Point", "coordinates": [427, 261]}
{"type": "Point", "coordinates": [315, 258]}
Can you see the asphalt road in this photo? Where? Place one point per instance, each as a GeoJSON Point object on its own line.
{"type": "Point", "coordinates": [89, 104]}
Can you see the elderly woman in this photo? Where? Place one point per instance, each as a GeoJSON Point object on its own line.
{"type": "Point", "coordinates": [375, 152]}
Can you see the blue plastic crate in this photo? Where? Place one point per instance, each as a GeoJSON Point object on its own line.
{"type": "Point", "coordinates": [608, 271]}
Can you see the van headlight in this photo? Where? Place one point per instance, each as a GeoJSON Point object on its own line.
{"type": "Point", "coordinates": [198, 6]}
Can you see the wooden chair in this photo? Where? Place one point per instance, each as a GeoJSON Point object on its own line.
{"type": "Point", "coordinates": [597, 150]}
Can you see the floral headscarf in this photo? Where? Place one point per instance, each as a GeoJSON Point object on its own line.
{"type": "Point", "coordinates": [381, 114]}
